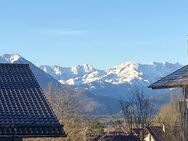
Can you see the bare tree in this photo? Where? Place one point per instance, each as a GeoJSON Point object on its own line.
{"type": "Point", "coordinates": [68, 109]}
{"type": "Point", "coordinates": [137, 110]}
{"type": "Point", "coordinates": [128, 113]}
{"type": "Point", "coordinates": [142, 106]}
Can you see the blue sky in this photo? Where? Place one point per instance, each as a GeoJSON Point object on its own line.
{"type": "Point", "coordinates": [103, 33]}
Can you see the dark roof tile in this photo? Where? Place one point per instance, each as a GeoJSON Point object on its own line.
{"type": "Point", "coordinates": [24, 110]}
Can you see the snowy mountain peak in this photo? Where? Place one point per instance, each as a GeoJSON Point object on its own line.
{"type": "Point", "coordinates": [74, 75]}
{"type": "Point", "coordinates": [88, 68]}
{"type": "Point", "coordinates": [57, 70]}
{"type": "Point", "coordinates": [125, 73]}
{"type": "Point", "coordinates": [10, 58]}
{"type": "Point", "coordinates": [124, 68]}
{"type": "Point", "coordinates": [14, 58]}
{"type": "Point", "coordinates": [80, 69]}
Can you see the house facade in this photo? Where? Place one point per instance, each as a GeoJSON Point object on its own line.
{"type": "Point", "coordinates": [178, 79]}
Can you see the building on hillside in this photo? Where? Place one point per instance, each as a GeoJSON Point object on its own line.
{"type": "Point", "coordinates": [178, 79]}
{"type": "Point", "coordinates": [24, 110]}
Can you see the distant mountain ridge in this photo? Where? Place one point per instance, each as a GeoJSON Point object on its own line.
{"type": "Point", "coordinates": [121, 74]}
{"type": "Point", "coordinates": [115, 82]}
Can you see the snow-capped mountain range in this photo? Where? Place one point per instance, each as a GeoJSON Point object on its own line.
{"type": "Point", "coordinates": [125, 73]}
{"type": "Point", "coordinates": [115, 82]}
{"type": "Point", "coordinates": [118, 79]}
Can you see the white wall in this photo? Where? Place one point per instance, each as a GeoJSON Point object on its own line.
{"type": "Point", "coordinates": [149, 137]}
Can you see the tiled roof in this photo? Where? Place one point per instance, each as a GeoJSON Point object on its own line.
{"type": "Point", "coordinates": [24, 110]}
{"type": "Point", "coordinates": [178, 78]}
{"type": "Point", "coordinates": [31, 131]}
